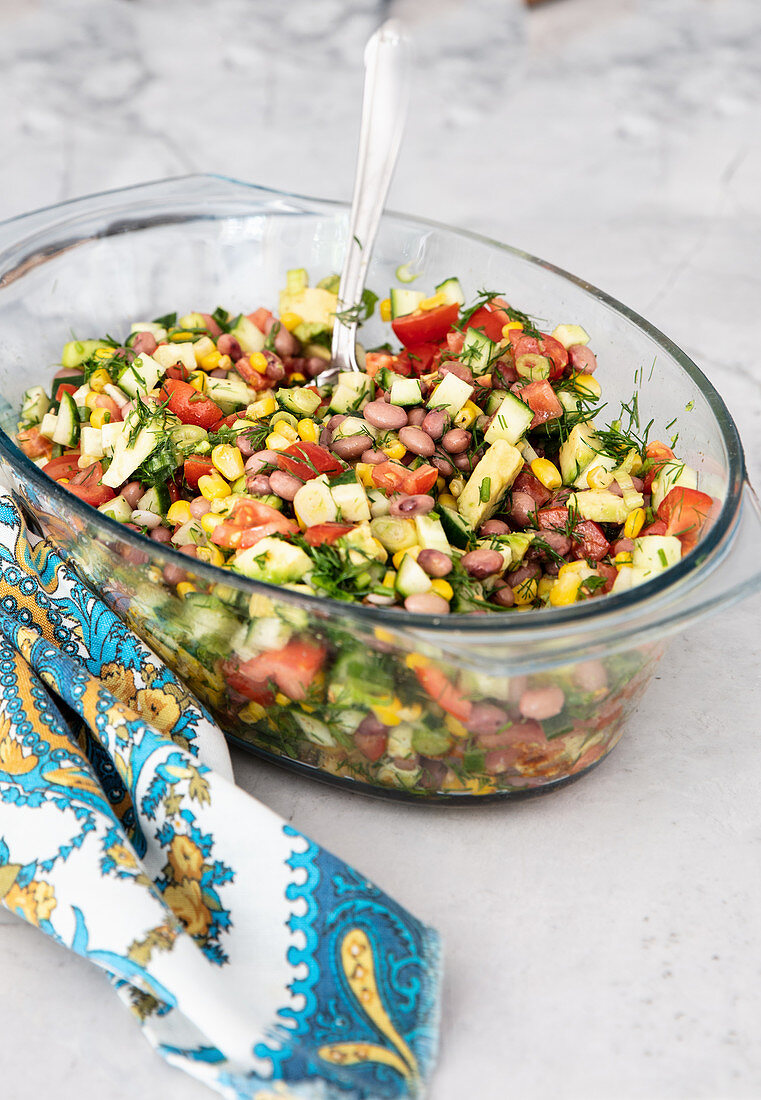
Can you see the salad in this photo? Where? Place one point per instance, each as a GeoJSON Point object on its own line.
{"type": "Point", "coordinates": [463, 470]}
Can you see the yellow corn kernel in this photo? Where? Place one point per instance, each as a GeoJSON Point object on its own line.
{"type": "Point", "coordinates": [622, 559]}
{"type": "Point", "coordinates": [416, 660]}
{"type": "Point", "coordinates": [586, 385]}
{"type": "Point", "coordinates": [258, 362]}
{"type": "Point", "coordinates": [277, 442]}
{"type": "Point", "coordinates": [454, 726]}
{"type": "Point", "coordinates": [385, 309]}
{"type": "Point", "coordinates": [413, 551]}
{"type": "Point", "coordinates": [282, 700]}
{"type": "Point", "coordinates": [382, 634]}
{"type": "Point", "coordinates": [99, 417]}
{"type": "Point", "coordinates": [436, 300]}
{"type": "Point", "coordinates": [228, 460]}
{"type": "Point", "coordinates": [64, 480]}
{"type": "Point", "coordinates": [467, 414]}
{"type": "Point", "coordinates": [546, 584]}
{"type": "Point", "coordinates": [440, 484]}
{"type": "Point", "coordinates": [225, 363]}
{"type": "Point", "coordinates": [184, 588]}
{"type": "Point", "coordinates": [364, 471]}
{"type": "Point", "coordinates": [210, 521]}
{"type": "Point", "coordinates": [91, 398]}
{"type": "Point", "coordinates": [511, 326]}
{"type": "Point", "coordinates": [204, 346]}
{"type": "Point", "coordinates": [564, 591]}
{"type": "Point", "coordinates": [635, 521]}
{"type": "Point", "coordinates": [265, 406]}
{"type": "Point", "coordinates": [526, 593]}
{"type": "Point", "coordinates": [210, 361]}
{"type": "Point", "coordinates": [286, 430]}
{"type": "Point", "coordinates": [573, 569]}
{"type": "Point", "coordinates": [99, 380]}
{"type": "Point", "coordinates": [442, 588]}
{"type": "Point", "coordinates": [297, 376]}
{"type": "Point", "coordinates": [197, 379]}
{"type": "Point", "coordinates": [179, 513]}
{"type": "Point", "coordinates": [395, 450]}
{"type": "Point", "coordinates": [546, 472]}
{"type": "Point", "coordinates": [446, 500]}
{"type": "Point", "coordinates": [212, 554]}
{"type": "Point", "coordinates": [291, 320]}
{"type": "Point", "coordinates": [103, 353]}
{"type": "Point", "coordinates": [181, 337]}
{"type": "Point", "coordinates": [599, 478]}
{"type": "Point", "coordinates": [307, 430]}
{"type": "Point", "coordinates": [252, 712]}
{"type": "Point", "coordinates": [306, 707]}
{"type": "Point", "coordinates": [388, 713]}
{"type": "Point", "coordinates": [86, 460]}
{"type": "Point", "coordinates": [213, 486]}
{"type": "Point", "coordinates": [389, 579]}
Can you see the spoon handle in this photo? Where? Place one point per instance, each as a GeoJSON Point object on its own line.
{"type": "Point", "coordinates": [384, 106]}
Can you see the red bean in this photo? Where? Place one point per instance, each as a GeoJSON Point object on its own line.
{"type": "Point", "coordinates": [426, 603]}
{"type": "Point", "coordinates": [144, 343]}
{"type": "Point", "coordinates": [419, 504]}
{"type": "Point", "coordinates": [257, 462]}
{"type": "Point", "coordinates": [386, 417]}
{"type": "Point", "coordinates": [275, 371]}
{"type": "Point", "coordinates": [212, 327]}
{"type": "Point", "coordinates": [486, 718]}
{"type": "Point", "coordinates": [325, 437]}
{"type": "Point", "coordinates": [434, 423]}
{"type": "Point", "coordinates": [259, 484]}
{"type": "Point", "coordinates": [443, 465]}
{"type": "Point", "coordinates": [591, 676]}
{"type": "Point", "coordinates": [218, 372]}
{"type": "Point", "coordinates": [173, 574]}
{"type": "Point", "coordinates": [506, 371]}
{"type": "Point", "coordinates": [499, 760]}
{"type": "Point", "coordinates": [132, 493]}
{"type": "Point", "coordinates": [335, 420]}
{"type": "Point", "coordinates": [373, 457]}
{"type": "Point", "coordinates": [417, 441]}
{"type": "Point", "coordinates": [493, 527]}
{"type": "Point", "coordinates": [503, 595]}
{"type": "Point", "coordinates": [435, 563]}
{"type": "Point", "coordinates": [228, 345]}
{"type": "Point", "coordinates": [528, 572]}
{"type": "Point", "coordinates": [482, 563]}
{"type": "Point", "coordinates": [161, 534]}
{"type": "Point", "coordinates": [638, 484]}
{"type": "Point", "coordinates": [285, 342]}
{"type": "Point", "coordinates": [622, 546]}
{"type": "Point", "coordinates": [522, 506]}
{"type": "Point", "coordinates": [350, 447]}
{"type": "Point", "coordinates": [453, 366]}
{"type": "Point", "coordinates": [456, 441]}
{"type": "Point", "coordinates": [285, 485]}
{"type": "Point", "coordinates": [199, 506]}
{"type": "Point", "coordinates": [244, 444]}
{"type": "Point", "coordinates": [582, 359]}
{"type": "Point", "coordinates": [556, 541]}
{"type": "Point", "coordinates": [314, 365]}
{"type": "Point", "coordinates": [543, 702]}
{"type": "Point", "coordinates": [415, 417]}
{"type": "Point", "coordinates": [461, 461]}
{"type": "Point", "coordinates": [190, 549]}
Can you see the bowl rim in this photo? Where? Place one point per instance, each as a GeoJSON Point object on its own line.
{"type": "Point", "coordinates": [654, 597]}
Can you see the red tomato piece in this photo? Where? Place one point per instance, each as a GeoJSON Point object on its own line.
{"type": "Point", "coordinates": [426, 327]}
{"type": "Point", "coordinates": [188, 404]}
{"type": "Point", "coordinates": [260, 317]}
{"type": "Point", "coordinates": [225, 422]}
{"type": "Point", "coordinates": [455, 341]}
{"type": "Point", "coordinates": [659, 454]}
{"type": "Point", "coordinates": [389, 476]}
{"type": "Point", "coordinates": [435, 684]}
{"type": "Point", "coordinates": [542, 400]}
{"type": "Point", "coordinates": [420, 480]}
{"type": "Point", "coordinates": [527, 482]}
{"type": "Point", "coordinates": [33, 443]}
{"type": "Point", "coordinates": [545, 345]}
{"type": "Point", "coordinates": [251, 376]}
{"type": "Point", "coordinates": [589, 541]}
{"type": "Point", "coordinates": [685, 513]}
{"type": "Point", "coordinates": [489, 320]}
{"type": "Point", "coordinates": [420, 358]}
{"type": "Point", "coordinates": [321, 533]}
{"type": "Point", "coordinates": [86, 485]}
{"type": "Point", "coordinates": [290, 670]}
{"type": "Point", "coordinates": [552, 519]}
{"type": "Point", "coordinates": [237, 678]}
{"type": "Point", "coordinates": [179, 370]}
{"type": "Point", "coordinates": [376, 360]}
{"type": "Point", "coordinates": [64, 387]}
{"type": "Point", "coordinates": [251, 535]}
{"type": "Point", "coordinates": [371, 742]}
{"type": "Point", "coordinates": [309, 460]}
{"type": "Point", "coordinates": [657, 527]}
{"type": "Point", "coordinates": [194, 467]}
{"type": "Point", "coordinates": [63, 466]}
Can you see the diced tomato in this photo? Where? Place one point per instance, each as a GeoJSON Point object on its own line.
{"type": "Point", "coordinates": [491, 321]}
{"type": "Point", "coordinates": [33, 443]}
{"type": "Point", "coordinates": [211, 325]}
{"type": "Point", "coordinates": [659, 454]}
{"type": "Point", "coordinates": [371, 742]}
{"type": "Point", "coordinates": [251, 535]}
{"type": "Point", "coordinates": [260, 317]}
{"type": "Point", "coordinates": [527, 482]}
{"type": "Point", "coordinates": [455, 341]}
{"type": "Point", "coordinates": [64, 387]}
{"type": "Point", "coordinates": [63, 466]}
{"type": "Point", "coordinates": [420, 480]}
{"type": "Point", "coordinates": [426, 327]}
{"type": "Point", "coordinates": [435, 684]}
{"type": "Point", "coordinates": [179, 370]}
{"type": "Point", "coordinates": [420, 358]}
{"type": "Point", "coordinates": [250, 521]}
{"type": "Point", "coordinates": [589, 541]}
{"type": "Point", "coordinates": [103, 401]}
{"type": "Point", "coordinates": [552, 519]}
{"type": "Point", "coordinates": [321, 533]}
{"type": "Point", "coordinates": [86, 485]}
{"type": "Point", "coordinates": [188, 404]}
{"type": "Point", "coordinates": [238, 679]}
{"type": "Point", "coordinates": [251, 376]}
{"type": "Point", "coordinates": [290, 670]}
{"type": "Point", "coordinates": [377, 360]}
{"type": "Point", "coordinates": [194, 467]}
{"type": "Point", "coordinates": [657, 527]}
{"type": "Point", "coordinates": [685, 513]}
{"type": "Point", "coordinates": [389, 476]}
{"type": "Point", "coordinates": [542, 400]}
{"type": "Point", "coordinates": [545, 345]}
{"type": "Point", "coordinates": [225, 422]}
{"type": "Point", "coordinates": [308, 460]}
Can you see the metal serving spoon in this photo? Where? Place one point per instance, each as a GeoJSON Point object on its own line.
{"type": "Point", "coordinates": [384, 108]}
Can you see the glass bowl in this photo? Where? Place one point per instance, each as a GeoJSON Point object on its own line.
{"type": "Point", "coordinates": [96, 264]}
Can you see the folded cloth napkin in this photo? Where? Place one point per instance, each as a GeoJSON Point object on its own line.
{"type": "Point", "coordinates": [248, 953]}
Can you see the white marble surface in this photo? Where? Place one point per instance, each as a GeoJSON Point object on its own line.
{"type": "Point", "coordinates": [603, 942]}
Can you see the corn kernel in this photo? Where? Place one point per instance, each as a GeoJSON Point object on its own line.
{"type": "Point", "coordinates": [511, 326]}
{"type": "Point", "coordinates": [291, 320]}
{"type": "Point", "coordinates": [467, 414]}
{"type": "Point", "coordinates": [413, 551]}
{"type": "Point", "coordinates": [202, 347]}
{"type": "Point", "coordinates": [573, 569]}
{"type": "Point", "coordinates": [440, 484]}
{"type": "Point", "coordinates": [622, 559]}
{"type": "Point", "coordinates": [442, 588]}
{"type": "Point", "coordinates": [416, 660]}
{"type": "Point", "coordinates": [99, 380]}
{"type": "Point", "coordinates": [282, 700]}
{"type": "Point", "coordinates": [454, 726]}
{"type": "Point", "coordinates": [197, 380]}
{"type": "Point", "coordinates": [382, 634]}
{"type": "Point", "coordinates": [91, 398]}
{"type": "Point", "coordinates": [212, 554]}
{"type": "Point", "coordinates": [86, 460]}
{"type": "Point", "coordinates": [99, 417]}
{"type": "Point", "coordinates": [388, 713]}
{"type": "Point", "coordinates": [210, 361]}
{"type": "Point", "coordinates": [228, 460]}
{"type": "Point", "coordinates": [564, 591]}
{"type": "Point", "coordinates": [364, 471]}
{"type": "Point", "coordinates": [456, 486]}
{"type": "Point", "coordinates": [395, 450]}
{"type": "Point", "coordinates": [436, 300]}
{"type": "Point", "coordinates": [213, 486]}
{"type": "Point", "coordinates": [297, 376]}
{"type": "Point", "coordinates": [277, 442]}
{"type": "Point", "coordinates": [446, 500]}
{"type": "Point", "coordinates": [265, 406]}
{"type": "Point", "coordinates": [385, 309]}
{"type": "Point", "coordinates": [635, 521]}
{"type": "Point", "coordinates": [103, 353]}
{"type": "Point", "coordinates": [389, 579]}
{"type": "Point", "coordinates": [546, 472]}
{"type": "Point", "coordinates": [286, 430]}
{"type": "Point", "coordinates": [184, 588]}
{"type": "Point", "coordinates": [586, 385]}
{"type": "Point", "coordinates": [546, 584]}
{"type": "Point", "coordinates": [63, 480]}
{"type": "Point", "coordinates": [599, 478]}
{"type": "Point", "coordinates": [252, 712]}
{"type": "Point", "coordinates": [258, 362]}
{"type": "Point", "coordinates": [210, 521]}
{"type": "Point", "coordinates": [526, 593]}
{"type": "Point", "coordinates": [307, 430]}
{"type": "Point", "coordinates": [181, 337]}
{"type": "Point", "coordinates": [179, 513]}
{"type": "Point", "coordinates": [225, 363]}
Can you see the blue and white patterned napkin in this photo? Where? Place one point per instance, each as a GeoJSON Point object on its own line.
{"type": "Point", "coordinates": [249, 954]}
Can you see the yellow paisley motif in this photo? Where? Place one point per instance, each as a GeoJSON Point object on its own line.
{"type": "Point", "coordinates": [159, 708]}
{"type": "Point", "coordinates": [12, 757]}
{"type": "Point", "coordinates": [119, 680]}
{"type": "Point", "coordinates": [185, 901]}
{"type": "Point", "coordinates": [352, 1054]}
{"type": "Point", "coordinates": [35, 902]}
{"type": "Point", "coordinates": [185, 858]}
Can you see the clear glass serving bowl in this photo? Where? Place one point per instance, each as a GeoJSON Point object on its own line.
{"type": "Point", "coordinates": [96, 264]}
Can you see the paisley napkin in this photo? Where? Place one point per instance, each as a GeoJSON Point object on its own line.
{"type": "Point", "coordinates": [254, 960]}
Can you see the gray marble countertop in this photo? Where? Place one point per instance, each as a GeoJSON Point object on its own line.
{"type": "Point", "coordinates": [603, 942]}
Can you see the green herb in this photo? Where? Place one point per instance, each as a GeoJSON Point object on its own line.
{"type": "Point", "coordinates": [689, 406]}
{"type": "Point", "coordinates": [589, 586]}
{"type": "Point", "coordinates": [335, 575]}
{"type": "Point", "coordinates": [269, 343]}
{"type": "Point", "coordinates": [484, 491]}
{"type": "Point", "coordinates": [663, 559]}
{"type": "Point", "coordinates": [355, 315]}
{"type": "Point", "coordinates": [618, 439]}
{"type": "Point", "coordinates": [222, 317]}
{"type": "Point", "coordinates": [167, 321]}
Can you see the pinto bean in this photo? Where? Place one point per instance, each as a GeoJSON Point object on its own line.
{"type": "Point", "coordinates": [456, 441]}
{"type": "Point", "coordinates": [199, 506]}
{"type": "Point", "coordinates": [325, 437]}
{"type": "Point", "coordinates": [144, 343]}
{"type": "Point", "coordinates": [350, 447]}
{"type": "Point", "coordinates": [257, 462]}
{"type": "Point", "coordinates": [582, 359]}
{"type": "Point", "coordinates": [259, 484]}
{"type": "Point", "coordinates": [419, 504]}
{"type": "Point", "coordinates": [386, 417]}
{"type": "Point", "coordinates": [503, 595]}
{"type": "Point", "coordinates": [190, 549]}
{"type": "Point", "coordinates": [620, 546]}
{"type": "Point", "coordinates": [522, 506]}
{"type": "Point", "coordinates": [335, 420]}
{"type": "Point", "coordinates": [415, 417]}
{"type": "Point", "coordinates": [275, 371]}
{"type": "Point", "coordinates": [244, 445]}
{"type": "Point", "coordinates": [285, 485]}
{"type": "Point", "coordinates": [426, 603]}
{"type": "Point", "coordinates": [493, 527]}
{"type": "Point", "coordinates": [486, 718]}
{"type": "Point", "coordinates": [161, 534]}
{"type": "Point", "coordinates": [434, 423]}
{"type": "Point", "coordinates": [132, 493]}
{"type": "Point", "coordinates": [417, 441]}
{"type": "Point", "coordinates": [443, 465]}
{"type": "Point", "coordinates": [228, 345]}
{"type": "Point", "coordinates": [591, 676]}
{"type": "Point", "coordinates": [373, 457]}
{"type": "Point", "coordinates": [218, 372]}
{"type": "Point", "coordinates": [173, 574]}
{"type": "Point", "coordinates": [556, 541]}
{"type": "Point", "coordinates": [497, 761]}
{"type": "Point", "coordinates": [314, 365]}
{"type": "Point", "coordinates": [638, 484]}
{"type": "Point", "coordinates": [543, 702]}
{"type": "Point", "coordinates": [506, 371]}
{"type": "Point", "coordinates": [435, 563]}
{"type": "Point", "coordinates": [528, 572]}
{"type": "Point", "coordinates": [285, 342]}
{"type": "Point", "coordinates": [461, 461]}
{"type": "Point", "coordinates": [454, 366]}
{"type": "Point", "coordinates": [483, 563]}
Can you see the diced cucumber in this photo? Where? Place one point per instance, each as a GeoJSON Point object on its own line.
{"type": "Point", "coordinates": [380, 505]}
{"type": "Point", "coordinates": [411, 578]}
{"type": "Point", "coordinates": [493, 401]}
{"type": "Point", "coordinates": [600, 505]}
{"type": "Point", "coordinates": [92, 441]}
{"type": "Point", "coordinates": [156, 499]}
{"type": "Point", "coordinates": [670, 475]}
{"type": "Point", "coordinates": [34, 406]}
{"type": "Point", "coordinates": [316, 307]}
{"type": "Point", "coordinates": [141, 376]}
{"type": "Point", "coordinates": [187, 437]}
{"type": "Point", "coordinates": [431, 742]}
{"type": "Point", "coordinates": [361, 539]}
{"type": "Point", "coordinates": [568, 335]}
{"type": "Point", "coordinates": [457, 530]}
{"type": "Point", "coordinates": [536, 368]}
{"type": "Point", "coordinates": [67, 428]}
{"type": "Point", "coordinates": [488, 483]}
{"type": "Point", "coordinates": [404, 301]}
{"type": "Point", "coordinates": [250, 338]}
{"type": "Point", "coordinates": [430, 534]}
{"type": "Point", "coordinates": [118, 509]}
{"type": "Point", "coordinates": [269, 633]}
{"type": "Point", "coordinates": [314, 730]}
{"type": "Point", "coordinates": [351, 501]}
{"type": "Point", "coordinates": [578, 451]}
{"type": "Point", "coordinates": [272, 560]}
{"type": "Point", "coordinates": [128, 456]}
{"type": "Point", "coordinates": [231, 390]}
{"type": "Point", "coordinates": [406, 391]}
{"type": "Point", "coordinates": [158, 332]}
{"type": "Point", "coordinates": [477, 351]}
{"type": "Point", "coordinates": [512, 420]}
{"type": "Point", "coordinates": [353, 391]}
{"type": "Point", "coordinates": [394, 532]}
{"type": "Point", "coordinates": [296, 279]}
{"type": "Point", "coordinates": [656, 552]}
{"type": "Point", "coordinates": [77, 352]}
{"type": "Point", "coordinates": [299, 401]}
{"type": "Point", "coordinates": [313, 503]}
{"type": "Point", "coordinates": [632, 497]}
{"type": "Point", "coordinates": [167, 355]}
{"type": "Point", "coordinates": [450, 395]}
{"type": "Point", "coordinates": [600, 462]}
{"type": "Point", "coordinates": [352, 425]}
{"type": "Point", "coordinates": [452, 291]}
{"type": "Point", "coordinates": [48, 425]}
{"type": "Point", "coordinates": [109, 434]}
